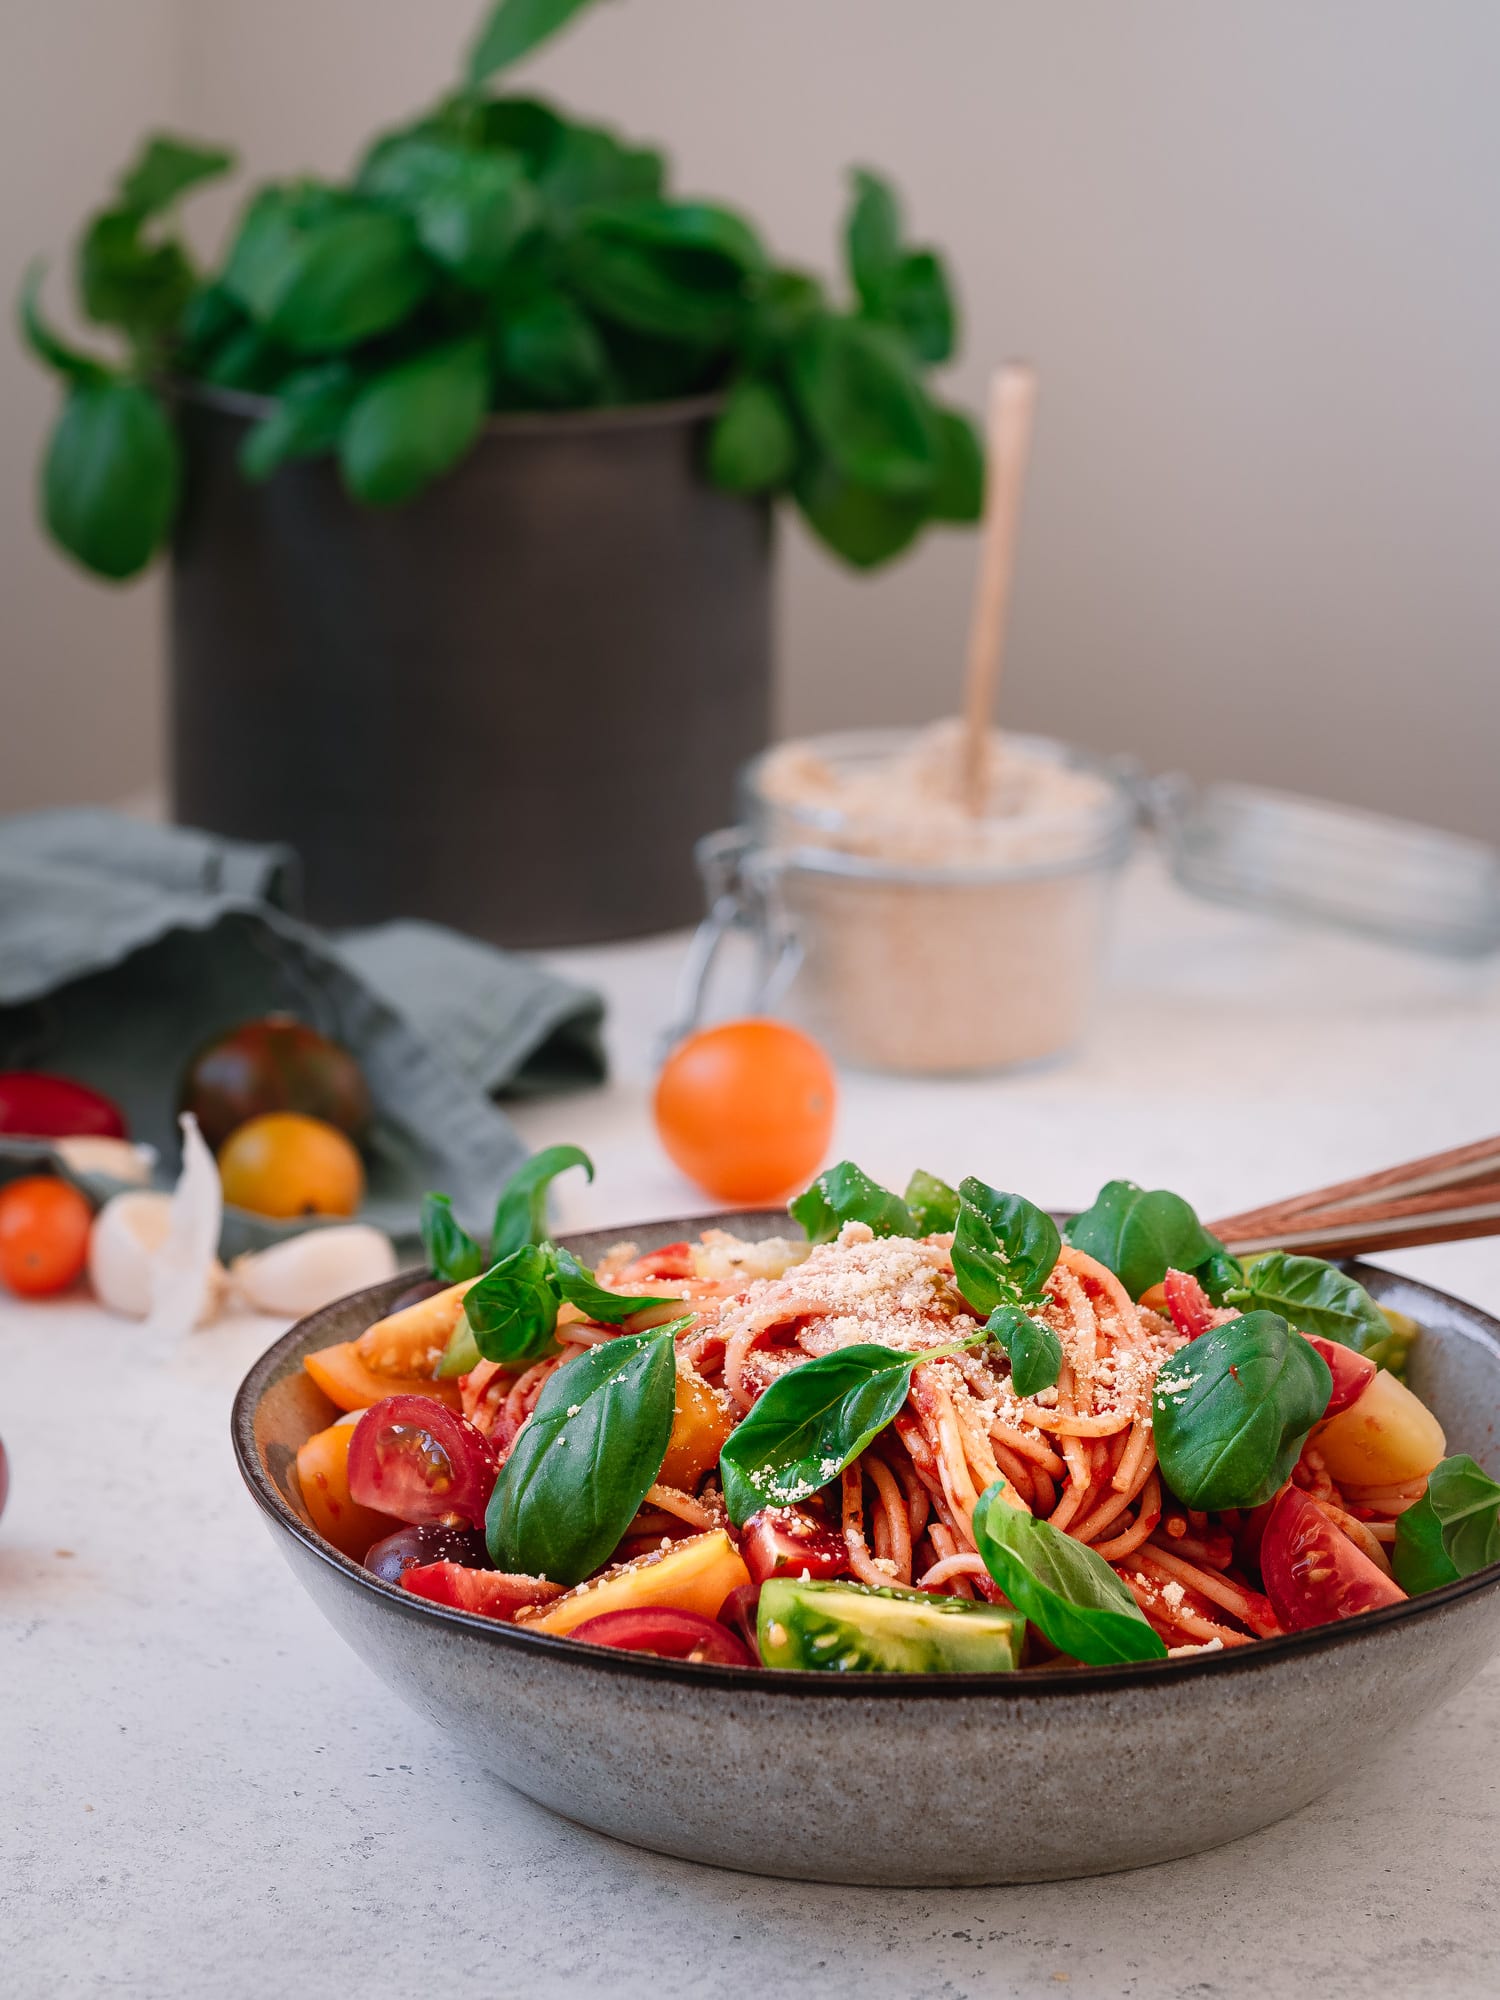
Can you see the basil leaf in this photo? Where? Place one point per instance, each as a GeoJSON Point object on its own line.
{"type": "Point", "coordinates": [577, 1286]}
{"type": "Point", "coordinates": [920, 303]}
{"type": "Point", "coordinates": [1034, 1349]}
{"type": "Point", "coordinates": [676, 269]}
{"type": "Point", "coordinates": [1219, 1275]}
{"type": "Point", "coordinates": [127, 282]}
{"type": "Point", "coordinates": [582, 1463]}
{"type": "Point", "coordinates": [521, 1213]}
{"type": "Point", "coordinates": [414, 422]}
{"type": "Point", "coordinates": [811, 1422]}
{"type": "Point", "coordinates": [846, 1193]}
{"type": "Point", "coordinates": [321, 271]}
{"type": "Point", "coordinates": [754, 444]}
{"type": "Point", "coordinates": [1314, 1296]}
{"type": "Point", "coordinates": [1452, 1531]}
{"type": "Point", "coordinates": [866, 528]}
{"type": "Point", "coordinates": [452, 1253]}
{"type": "Point", "coordinates": [166, 168]}
{"type": "Point", "coordinates": [872, 239]}
{"type": "Point", "coordinates": [1069, 1593]}
{"type": "Point", "coordinates": [470, 207]}
{"type": "Point", "coordinates": [549, 351]}
{"type": "Point", "coordinates": [1140, 1236]}
{"type": "Point", "coordinates": [47, 345]}
{"type": "Point", "coordinates": [513, 29]}
{"type": "Point", "coordinates": [933, 1204]}
{"type": "Point", "coordinates": [859, 392]}
{"type": "Point", "coordinates": [112, 475]}
{"type": "Point", "coordinates": [512, 1311]}
{"type": "Point", "coordinates": [1004, 1247]}
{"type": "Point", "coordinates": [310, 410]}
{"type": "Point", "coordinates": [1232, 1411]}
{"type": "Point", "coordinates": [959, 492]}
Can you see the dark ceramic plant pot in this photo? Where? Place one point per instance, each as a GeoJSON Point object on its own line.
{"type": "Point", "coordinates": [510, 706]}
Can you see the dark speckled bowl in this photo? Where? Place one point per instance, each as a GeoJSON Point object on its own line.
{"type": "Point", "coordinates": [965, 1778]}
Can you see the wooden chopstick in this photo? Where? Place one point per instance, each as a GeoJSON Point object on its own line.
{"type": "Point", "coordinates": [1442, 1198]}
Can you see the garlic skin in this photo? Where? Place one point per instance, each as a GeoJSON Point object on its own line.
{"type": "Point", "coordinates": [118, 1159]}
{"type": "Point", "coordinates": [127, 1233]}
{"type": "Point", "coordinates": [304, 1273]}
{"type": "Point", "coordinates": [152, 1255]}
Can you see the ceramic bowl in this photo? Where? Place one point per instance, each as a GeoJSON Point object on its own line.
{"type": "Point", "coordinates": [913, 1780]}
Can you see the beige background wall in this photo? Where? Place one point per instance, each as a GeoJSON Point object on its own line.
{"type": "Point", "coordinates": [1252, 249]}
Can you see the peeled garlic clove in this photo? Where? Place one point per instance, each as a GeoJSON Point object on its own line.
{"type": "Point", "coordinates": [127, 1233]}
{"type": "Point", "coordinates": [115, 1159]}
{"type": "Point", "coordinates": [306, 1272]}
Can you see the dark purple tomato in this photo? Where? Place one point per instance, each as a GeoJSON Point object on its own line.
{"type": "Point", "coordinates": [411, 1548]}
{"type": "Point", "coordinates": [276, 1064]}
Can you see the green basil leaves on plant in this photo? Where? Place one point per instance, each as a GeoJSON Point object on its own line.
{"type": "Point", "coordinates": [846, 1193]}
{"type": "Point", "coordinates": [452, 1253]}
{"type": "Point", "coordinates": [322, 271]}
{"type": "Point", "coordinates": [47, 345]}
{"type": "Point", "coordinates": [549, 352]}
{"type": "Point", "coordinates": [754, 444]}
{"type": "Point", "coordinates": [127, 282]}
{"type": "Point", "coordinates": [414, 422]}
{"type": "Point", "coordinates": [905, 289]}
{"type": "Point", "coordinates": [305, 421]}
{"type": "Point", "coordinates": [513, 29]}
{"type": "Point", "coordinates": [470, 207]}
{"type": "Point", "coordinates": [512, 1311]}
{"type": "Point", "coordinates": [582, 1464]}
{"type": "Point", "coordinates": [858, 392]}
{"type": "Point", "coordinates": [1231, 1412]}
{"type": "Point", "coordinates": [1141, 1235]}
{"type": "Point", "coordinates": [111, 476]}
{"type": "Point", "coordinates": [1004, 1247]}
{"type": "Point", "coordinates": [812, 1422]}
{"type": "Point", "coordinates": [166, 168]}
{"type": "Point", "coordinates": [1314, 1296]}
{"type": "Point", "coordinates": [1035, 1350]}
{"type": "Point", "coordinates": [1452, 1531]}
{"type": "Point", "coordinates": [958, 493]}
{"type": "Point", "coordinates": [521, 1213]}
{"type": "Point", "coordinates": [862, 526]}
{"type": "Point", "coordinates": [933, 1204]}
{"type": "Point", "coordinates": [1068, 1592]}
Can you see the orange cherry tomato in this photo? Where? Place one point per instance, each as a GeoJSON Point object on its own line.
{"type": "Point", "coordinates": [323, 1475]}
{"type": "Point", "coordinates": [44, 1235]}
{"type": "Point", "coordinates": [746, 1109]}
{"type": "Point", "coordinates": [283, 1164]}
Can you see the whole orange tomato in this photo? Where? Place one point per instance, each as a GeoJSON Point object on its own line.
{"type": "Point", "coordinates": [44, 1234]}
{"type": "Point", "coordinates": [746, 1109]}
{"type": "Point", "coordinates": [284, 1165]}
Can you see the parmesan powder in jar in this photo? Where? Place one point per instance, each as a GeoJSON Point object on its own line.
{"type": "Point", "coordinates": [930, 939]}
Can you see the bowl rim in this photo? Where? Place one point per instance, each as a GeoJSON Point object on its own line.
{"type": "Point", "coordinates": [1039, 1683]}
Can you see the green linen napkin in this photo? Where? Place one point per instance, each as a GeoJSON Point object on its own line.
{"type": "Point", "coordinates": [124, 945]}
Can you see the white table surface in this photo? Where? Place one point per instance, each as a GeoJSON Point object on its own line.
{"type": "Point", "coordinates": [203, 1792]}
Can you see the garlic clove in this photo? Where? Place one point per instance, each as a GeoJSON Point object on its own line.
{"type": "Point", "coordinates": [128, 1232]}
{"type": "Point", "coordinates": [115, 1159]}
{"type": "Point", "coordinates": [306, 1272]}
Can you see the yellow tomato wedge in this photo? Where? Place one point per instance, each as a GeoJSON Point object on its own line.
{"type": "Point", "coordinates": [700, 1424]}
{"type": "Point", "coordinates": [349, 1381]}
{"type": "Point", "coordinates": [411, 1342]}
{"type": "Point", "coordinates": [695, 1575]}
{"type": "Point", "coordinates": [323, 1475]}
{"type": "Point", "coordinates": [1385, 1437]}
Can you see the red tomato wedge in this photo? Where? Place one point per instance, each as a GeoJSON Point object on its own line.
{"type": "Point", "coordinates": [1191, 1309]}
{"type": "Point", "coordinates": [490, 1592]}
{"type": "Point", "coordinates": [421, 1463]}
{"type": "Point", "coordinates": [1313, 1574]}
{"type": "Point", "coordinates": [666, 1632]}
{"type": "Point", "coordinates": [782, 1541]}
{"type": "Point", "coordinates": [1352, 1373]}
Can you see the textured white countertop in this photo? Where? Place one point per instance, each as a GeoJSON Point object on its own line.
{"type": "Point", "coordinates": [203, 1793]}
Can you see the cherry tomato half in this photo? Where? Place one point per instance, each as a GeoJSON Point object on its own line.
{"type": "Point", "coordinates": [44, 1235]}
{"type": "Point", "coordinates": [746, 1109]}
{"type": "Point", "coordinates": [1313, 1574]}
{"type": "Point", "coordinates": [1190, 1307]}
{"type": "Point", "coordinates": [490, 1592]}
{"type": "Point", "coordinates": [424, 1464]}
{"type": "Point", "coordinates": [668, 1633]}
{"type": "Point", "coordinates": [1352, 1373]}
{"type": "Point", "coordinates": [781, 1541]}
{"type": "Point", "coordinates": [37, 1106]}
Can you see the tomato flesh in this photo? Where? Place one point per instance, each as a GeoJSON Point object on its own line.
{"type": "Point", "coordinates": [36, 1106]}
{"type": "Point", "coordinates": [489, 1592]}
{"type": "Point", "coordinates": [668, 1633]}
{"type": "Point", "coordinates": [1352, 1373]}
{"type": "Point", "coordinates": [672, 1260]}
{"type": "Point", "coordinates": [422, 1463]}
{"type": "Point", "coordinates": [44, 1235]}
{"type": "Point", "coordinates": [1190, 1307]}
{"type": "Point", "coordinates": [1313, 1574]}
{"type": "Point", "coordinates": [783, 1541]}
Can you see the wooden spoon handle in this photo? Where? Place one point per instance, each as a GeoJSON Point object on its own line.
{"type": "Point", "coordinates": [1441, 1198]}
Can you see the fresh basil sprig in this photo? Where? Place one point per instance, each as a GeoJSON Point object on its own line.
{"type": "Point", "coordinates": [581, 1465]}
{"type": "Point", "coordinates": [1231, 1412]}
{"type": "Point", "coordinates": [933, 1204]}
{"type": "Point", "coordinates": [511, 1313]}
{"type": "Point", "coordinates": [1004, 1247]}
{"type": "Point", "coordinates": [846, 1193]}
{"type": "Point", "coordinates": [521, 1212]}
{"type": "Point", "coordinates": [1069, 1592]}
{"type": "Point", "coordinates": [452, 1253]}
{"type": "Point", "coordinates": [1034, 1348]}
{"type": "Point", "coordinates": [1452, 1531]}
{"type": "Point", "coordinates": [1317, 1297]}
{"type": "Point", "coordinates": [1140, 1234]}
{"type": "Point", "coordinates": [813, 1421]}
